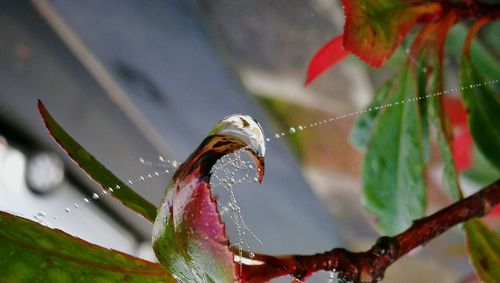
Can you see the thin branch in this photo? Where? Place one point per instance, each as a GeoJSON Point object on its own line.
{"type": "Point", "coordinates": [370, 266]}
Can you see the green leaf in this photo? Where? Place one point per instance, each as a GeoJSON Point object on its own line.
{"type": "Point", "coordinates": [96, 170]}
{"type": "Point", "coordinates": [393, 168]}
{"type": "Point", "coordinates": [483, 106]}
{"type": "Point", "coordinates": [440, 122]}
{"type": "Point", "coordinates": [189, 238]}
{"type": "Point", "coordinates": [362, 130]}
{"type": "Point", "coordinates": [484, 250]}
{"type": "Point", "coordinates": [30, 252]}
{"type": "Point", "coordinates": [490, 67]}
{"type": "Point", "coordinates": [444, 135]}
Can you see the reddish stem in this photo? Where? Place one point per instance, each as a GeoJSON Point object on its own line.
{"type": "Point", "coordinates": [370, 266]}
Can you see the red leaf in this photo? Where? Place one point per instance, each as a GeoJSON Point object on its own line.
{"type": "Point", "coordinates": [329, 55]}
{"type": "Point", "coordinates": [462, 149]}
{"type": "Point", "coordinates": [374, 29]}
{"type": "Point", "coordinates": [462, 140]}
{"type": "Point", "coordinates": [455, 110]}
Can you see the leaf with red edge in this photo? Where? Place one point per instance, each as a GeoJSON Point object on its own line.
{"type": "Point", "coordinates": [327, 57]}
{"type": "Point", "coordinates": [373, 29]}
{"type": "Point", "coordinates": [96, 170]}
{"type": "Point", "coordinates": [30, 252]}
{"type": "Point", "coordinates": [189, 238]}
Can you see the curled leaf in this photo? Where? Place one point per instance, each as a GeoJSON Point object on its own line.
{"type": "Point", "coordinates": [189, 238]}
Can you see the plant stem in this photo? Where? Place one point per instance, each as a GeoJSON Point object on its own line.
{"type": "Point", "coordinates": [370, 266]}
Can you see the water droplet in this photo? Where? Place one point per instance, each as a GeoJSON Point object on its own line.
{"type": "Point", "coordinates": [255, 179]}
{"type": "Point", "coordinates": [141, 178]}
{"type": "Point", "coordinates": [67, 210]}
{"type": "Point", "coordinates": [110, 189]}
{"type": "Point", "coordinates": [149, 176]}
{"type": "Point", "coordinates": [300, 128]}
{"type": "Point", "coordinates": [174, 163]}
{"type": "Point", "coordinates": [291, 130]}
{"type": "Point", "coordinates": [268, 139]}
{"type": "Point", "coordinates": [95, 196]}
{"type": "Point", "coordinates": [251, 255]}
{"type": "Point", "coordinates": [156, 173]}
{"type": "Point", "coordinates": [86, 200]}
{"type": "Point", "coordinates": [117, 187]}
{"type": "Point", "coordinates": [141, 159]}
{"type": "Point", "coordinates": [129, 182]}
{"type": "Point", "coordinates": [161, 158]}
{"type": "Point", "coordinates": [76, 205]}
{"type": "Point", "coordinates": [277, 136]}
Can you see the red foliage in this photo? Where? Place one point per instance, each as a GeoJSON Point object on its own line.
{"type": "Point", "coordinates": [329, 55]}
{"type": "Point", "coordinates": [462, 140]}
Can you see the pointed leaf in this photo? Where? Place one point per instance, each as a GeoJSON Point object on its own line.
{"type": "Point", "coordinates": [96, 170]}
{"type": "Point", "coordinates": [483, 106]}
{"type": "Point", "coordinates": [327, 57]}
{"type": "Point", "coordinates": [373, 29]}
{"type": "Point", "coordinates": [361, 132]}
{"type": "Point", "coordinates": [189, 237]}
{"type": "Point", "coordinates": [393, 186]}
{"type": "Point", "coordinates": [484, 251]}
{"type": "Point", "coordinates": [30, 252]}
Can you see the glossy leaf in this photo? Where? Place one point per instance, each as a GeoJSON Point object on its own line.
{"type": "Point", "coordinates": [96, 170]}
{"type": "Point", "coordinates": [361, 132]}
{"type": "Point", "coordinates": [189, 238]}
{"type": "Point", "coordinates": [483, 106]}
{"type": "Point", "coordinates": [327, 57]}
{"type": "Point", "coordinates": [30, 252]}
{"type": "Point", "coordinates": [393, 168]}
{"type": "Point", "coordinates": [484, 251]}
{"type": "Point", "coordinates": [373, 29]}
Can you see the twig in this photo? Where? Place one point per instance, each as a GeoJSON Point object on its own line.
{"type": "Point", "coordinates": [370, 266]}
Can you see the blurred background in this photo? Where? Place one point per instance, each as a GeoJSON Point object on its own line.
{"type": "Point", "coordinates": [141, 79]}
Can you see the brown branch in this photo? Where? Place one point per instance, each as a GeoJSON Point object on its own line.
{"type": "Point", "coordinates": [370, 266]}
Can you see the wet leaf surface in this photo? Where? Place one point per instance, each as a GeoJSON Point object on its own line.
{"type": "Point", "coordinates": [189, 237]}
{"type": "Point", "coordinates": [30, 252]}
{"type": "Point", "coordinates": [393, 168]}
{"type": "Point", "coordinates": [362, 130]}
